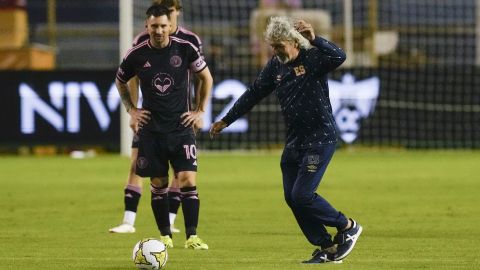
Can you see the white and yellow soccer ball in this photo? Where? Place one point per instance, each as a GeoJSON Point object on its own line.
{"type": "Point", "coordinates": [150, 253]}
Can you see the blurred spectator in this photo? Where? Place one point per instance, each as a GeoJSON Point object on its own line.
{"type": "Point", "coordinates": [258, 22]}
{"type": "Point", "coordinates": [280, 4]}
{"type": "Point", "coordinates": [320, 20]}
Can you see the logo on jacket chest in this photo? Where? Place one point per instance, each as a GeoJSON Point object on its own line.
{"type": "Point", "coordinates": [162, 83]}
{"type": "Point", "coordinates": [299, 71]}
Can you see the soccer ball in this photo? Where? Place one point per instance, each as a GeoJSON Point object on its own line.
{"type": "Point", "coordinates": [150, 253]}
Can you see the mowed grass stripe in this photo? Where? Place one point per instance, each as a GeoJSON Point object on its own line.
{"type": "Point", "coordinates": [419, 210]}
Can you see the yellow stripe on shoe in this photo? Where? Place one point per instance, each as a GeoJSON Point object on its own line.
{"type": "Point", "coordinates": [194, 242]}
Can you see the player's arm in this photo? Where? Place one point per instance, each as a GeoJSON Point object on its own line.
{"type": "Point", "coordinates": [262, 87]}
{"type": "Point", "coordinates": [204, 91]}
{"type": "Point", "coordinates": [202, 94]}
{"type": "Point", "coordinates": [197, 82]}
{"type": "Point", "coordinates": [125, 73]}
{"type": "Point", "coordinates": [133, 86]}
{"type": "Point", "coordinates": [198, 86]}
{"type": "Point", "coordinates": [332, 55]}
{"type": "Point", "coordinates": [139, 117]}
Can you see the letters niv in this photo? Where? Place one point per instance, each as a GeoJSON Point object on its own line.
{"type": "Point", "coordinates": [63, 112]}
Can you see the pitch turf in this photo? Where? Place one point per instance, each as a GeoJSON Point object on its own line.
{"type": "Point", "coordinates": [420, 210]}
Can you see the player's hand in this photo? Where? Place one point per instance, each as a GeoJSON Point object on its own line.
{"type": "Point", "coordinates": [216, 128]}
{"type": "Point", "coordinates": [138, 118]}
{"type": "Point", "coordinates": [305, 29]}
{"type": "Point", "coordinates": [198, 124]}
{"type": "Point", "coordinates": [192, 118]}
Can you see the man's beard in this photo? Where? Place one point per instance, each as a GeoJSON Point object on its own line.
{"type": "Point", "coordinates": [283, 58]}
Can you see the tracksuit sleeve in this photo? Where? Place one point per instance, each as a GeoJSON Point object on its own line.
{"type": "Point", "coordinates": [262, 87]}
{"type": "Point", "coordinates": [331, 55]}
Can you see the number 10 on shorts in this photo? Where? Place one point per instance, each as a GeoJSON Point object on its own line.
{"type": "Point", "coordinates": [190, 151]}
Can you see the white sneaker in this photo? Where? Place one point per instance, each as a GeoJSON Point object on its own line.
{"type": "Point", "coordinates": [173, 229]}
{"type": "Point", "coordinates": [123, 228]}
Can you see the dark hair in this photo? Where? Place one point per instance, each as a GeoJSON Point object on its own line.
{"type": "Point", "coordinates": [157, 11]}
{"type": "Point", "coordinates": [169, 3]}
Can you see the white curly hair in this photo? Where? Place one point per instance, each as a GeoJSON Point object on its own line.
{"type": "Point", "coordinates": [282, 29]}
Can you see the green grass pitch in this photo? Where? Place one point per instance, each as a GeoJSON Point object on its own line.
{"type": "Point", "coordinates": [419, 210]}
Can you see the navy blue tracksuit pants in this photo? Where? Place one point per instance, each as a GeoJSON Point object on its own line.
{"type": "Point", "coordinates": [302, 171]}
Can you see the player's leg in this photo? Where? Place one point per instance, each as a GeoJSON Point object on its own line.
{"type": "Point", "coordinates": [159, 203]}
{"type": "Point", "coordinates": [191, 209]}
{"type": "Point", "coordinates": [184, 162]}
{"type": "Point", "coordinates": [314, 162]}
{"type": "Point", "coordinates": [152, 162]}
{"type": "Point", "coordinates": [315, 233]}
{"type": "Point", "coordinates": [174, 198]}
{"type": "Point", "coordinates": [133, 192]}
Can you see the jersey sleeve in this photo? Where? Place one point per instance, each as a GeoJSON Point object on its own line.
{"type": "Point", "coordinates": [193, 38]}
{"type": "Point", "coordinates": [126, 69]}
{"type": "Point", "coordinates": [197, 63]}
{"type": "Point", "coordinates": [199, 45]}
{"type": "Point", "coordinates": [261, 87]}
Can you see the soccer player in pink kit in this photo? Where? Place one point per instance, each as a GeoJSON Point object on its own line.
{"type": "Point", "coordinates": [165, 123]}
{"type": "Point", "coordinates": [133, 190]}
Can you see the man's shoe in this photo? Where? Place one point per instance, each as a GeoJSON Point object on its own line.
{"type": "Point", "coordinates": [346, 240]}
{"type": "Point", "coordinates": [167, 241]}
{"type": "Point", "coordinates": [322, 256]}
{"type": "Point", "coordinates": [123, 228]}
{"type": "Point", "coordinates": [173, 229]}
{"type": "Point", "coordinates": [194, 242]}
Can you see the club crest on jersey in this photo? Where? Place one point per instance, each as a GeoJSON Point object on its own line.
{"type": "Point", "coordinates": [162, 82]}
{"type": "Point", "coordinates": [176, 61]}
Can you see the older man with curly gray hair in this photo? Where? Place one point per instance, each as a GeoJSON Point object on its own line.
{"type": "Point", "coordinates": [297, 73]}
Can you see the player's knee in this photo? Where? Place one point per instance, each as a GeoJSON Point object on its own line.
{"type": "Point", "coordinates": [159, 181]}
{"type": "Point", "coordinates": [300, 199]}
{"type": "Point", "coordinates": [288, 199]}
{"type": "Point", "coordinates": [186, 179]}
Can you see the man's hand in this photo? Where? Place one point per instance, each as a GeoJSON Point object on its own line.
{"type": "Point", "coordinates": [138, 118]}
{"type": "Point", "coordinates": [198, 125]}
{"type": "Point", "coordinates": [305, 29]}
{"type": "Point", "coordinates": [216, 128]}
{"type": "Point", "coordinates": [193, 118]}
